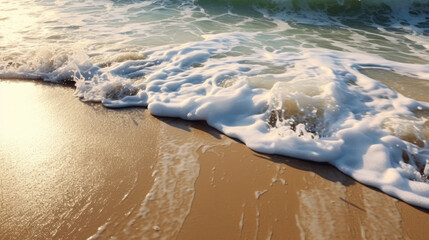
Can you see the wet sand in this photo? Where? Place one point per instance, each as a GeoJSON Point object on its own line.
{"type": "Point", "coordinates": [75, 170]}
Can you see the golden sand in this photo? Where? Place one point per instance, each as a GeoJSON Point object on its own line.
{"type": "Point", "coordinates": [75, 170]}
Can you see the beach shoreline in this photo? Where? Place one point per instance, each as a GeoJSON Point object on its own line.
{"type": "Point", "coordinates": [79, 170]}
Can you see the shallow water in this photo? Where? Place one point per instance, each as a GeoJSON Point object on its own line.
{"type": "Point", "coordinates": [343, 82]}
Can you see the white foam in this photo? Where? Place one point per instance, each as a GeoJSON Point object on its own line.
{"type": "Point", "coordinates": [337, 113]}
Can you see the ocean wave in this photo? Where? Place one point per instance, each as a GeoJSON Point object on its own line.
{"type": "Point", "coordinates": [322, 108]}
{"type": "Point", "coordinates": [376, 13]}
{"type": "Point", "coordinates": [334, 6]}
{"type": "Point", "coordinates": [281, 87]}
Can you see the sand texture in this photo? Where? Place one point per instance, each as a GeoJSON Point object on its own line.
{"type": "Point", "coordinates": [76, 170]}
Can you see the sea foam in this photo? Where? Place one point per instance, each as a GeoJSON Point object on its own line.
{"type": "Point", "coordinates": [321, 109]}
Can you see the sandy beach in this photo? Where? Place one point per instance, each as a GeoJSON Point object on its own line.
{"type": "Point", "coordinates": [76, 170]}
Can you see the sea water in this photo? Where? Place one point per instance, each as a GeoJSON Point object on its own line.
{"type": "Point", "coordinates": [338, 81]}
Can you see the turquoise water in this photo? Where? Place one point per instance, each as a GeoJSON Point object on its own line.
{"type": "Point", "coordinates": [344, 82]}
